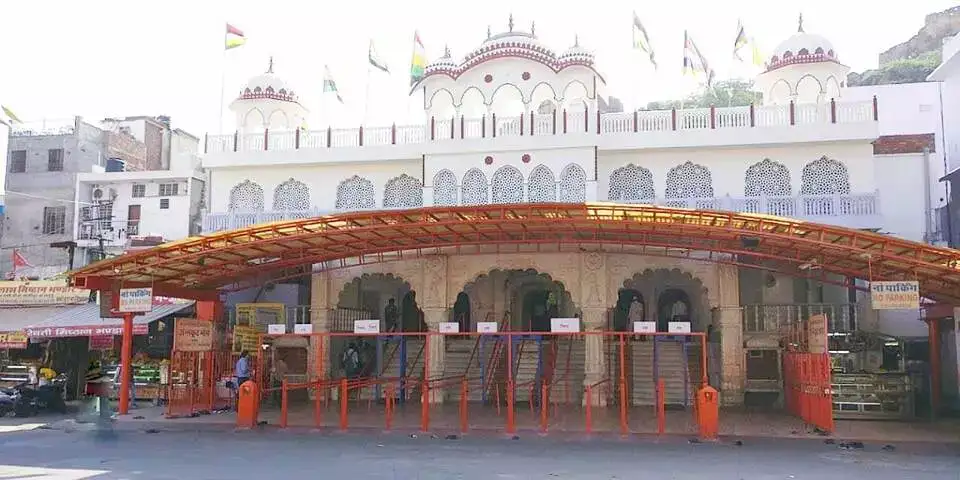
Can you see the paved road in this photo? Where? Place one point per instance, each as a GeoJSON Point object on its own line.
{"type": "Point", "coordinates": [66, 454]}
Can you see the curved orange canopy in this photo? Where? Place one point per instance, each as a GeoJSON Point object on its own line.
{"type": "Point", "coordinates": [196, 267]}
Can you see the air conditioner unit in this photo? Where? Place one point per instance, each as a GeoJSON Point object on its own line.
{"type": "Point", "coordinates": [97, 193]}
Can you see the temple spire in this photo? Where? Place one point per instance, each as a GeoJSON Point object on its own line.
{"type": "Point", "coordinates": [510, 23]}
{"type": "Point", "coordinates": [576, 40]}
{"type": "Point", "coordinates": [533, 29]}
{"type": "Point", "coordinates": [270, 66]}
{"type": "Point", "coordinates": [446, 51]}
{"type": "Point", "coordinates": [489, 32]}
{"type": "Point", "coordinates": [800, 23]}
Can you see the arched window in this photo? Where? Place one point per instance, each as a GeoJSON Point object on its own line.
{"type": "Point", "coordinates": [573, 184]}
{"type": "Point", "coordinates": [631, 183]}
{"type": "Point", "coordinates": [403, 192]}
{"type": "Point", "coordinates": [445, 188]}
{"type": "Point", "coordinates": [689, 180]}
{"type": "Point", "coordinates": [507, 185]}
{"type": "Point", "coordinates": [767, 179]}
{"type": "Point", "coordinates": [246, 196]}
{"type": "Point", "coordinates": [473, 191]}
{"type": "Point", "coordinates": [355, 193]}
{"type": "Point", "coordinates": [542, 186]}
{"type": "Point", "coordinates": [825, 176]}
{"type": "Point", "coordinates": [291, 195]}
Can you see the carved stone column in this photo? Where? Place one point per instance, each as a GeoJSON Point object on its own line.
{"type": "Point", "coordinates": [437, 347]}
{"type": "Point", "coordinates": [320, 318]}
{"type": "Point", "coordinates": [732, 371]}
{"type": "Point", "coordinates": [435, 312]}
{"type": "Point", "coordinates": [594, 361]}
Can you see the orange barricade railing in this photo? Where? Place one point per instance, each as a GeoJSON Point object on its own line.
{"type": "Point", "coordinates": [807, 378]}
{"type": "Point", "coordinates": [197, 383]}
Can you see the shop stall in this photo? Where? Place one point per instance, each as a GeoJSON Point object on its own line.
{"type": "Point", "coordinates": [869, 377]}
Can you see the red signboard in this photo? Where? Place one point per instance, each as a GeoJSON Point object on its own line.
{"type": "Point", "coordinates": [101, 342]}
{"type": "Point", "coordinates": [82, 331]}
{"type": "Point", "coordinates": [15, 340]}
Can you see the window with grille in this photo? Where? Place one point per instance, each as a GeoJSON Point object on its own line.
{"type": "Point", "coordinates": [164, 203]}
{"type": "Point", "coordinates": [18, 161]}
{"type": "Point", "coordinates": [55, 160]}
{"type": "Point", "coordinates": [168, 189]}
{"type": "Point", "coordinates": [139, 190]}
{"type": "Point", "coordinates": [54, 220]}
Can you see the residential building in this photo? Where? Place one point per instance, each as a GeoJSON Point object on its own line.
{"type": "Point", "coordinates": [167, 148]}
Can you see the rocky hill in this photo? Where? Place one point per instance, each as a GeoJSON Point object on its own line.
{"type": "Point", "coordinates": [913, 60]}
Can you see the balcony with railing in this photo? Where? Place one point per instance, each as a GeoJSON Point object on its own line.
{"type": "Point", "coordinates": [861, 210]}
{"type": "Point", "coordinates": [776, 320]}
{"type": "Point", "coordinates": [564, 122]}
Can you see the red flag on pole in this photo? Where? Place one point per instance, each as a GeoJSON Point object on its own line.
{"type": "Point", "coordinates": [19, 260]}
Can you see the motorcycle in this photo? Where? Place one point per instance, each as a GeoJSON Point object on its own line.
{"type": "Point", "coordinates": [8, 401]}
{"type": "Point", "coordinates": [26, 400]}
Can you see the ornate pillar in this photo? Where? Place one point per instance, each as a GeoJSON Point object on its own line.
{"type": "Point", "coordinates": [594, 362]}
{"type": "Point", "coordinates": [435, 311]}
{"type": "Point", "coordinates": [730, 323]}
{"type": "Point", "coordinates": [593, 291]}
{"type": "Point", "coordinates": [319, 317]}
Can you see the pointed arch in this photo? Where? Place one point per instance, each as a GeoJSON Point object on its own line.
{"type": "Point", "coordinates": [355, 193]}
{"type": "Point", "coordinates": [767, 179]}
{"type": "Point", "coordinates": [507, 185]}
{"type": "Point", "coordinates": [403, 192]}
{"type": "Point", "coordinates": [631, 183]}
{"type": "Point", "coordinates": [542, 185]}
{"type": "Point", "coordinates": [291, 195]}
{"type": "Point", "coordinates": [689, 180]}
{"type": "Point", "coordinates": [474, 189]}
{"type": "Point", "coordinates": [444, 188]}
{"type": "Point", "coordinates": [246, 196]}
{"type": "Point", "coordinates": [573, 184]}
{"type": "Point", "coordinates": [825, 176]}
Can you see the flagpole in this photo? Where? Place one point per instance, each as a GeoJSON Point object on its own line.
{"type": "Point", "coordinates": [223, 81]}
{"type": "Point", "coordinates": [366, 101]}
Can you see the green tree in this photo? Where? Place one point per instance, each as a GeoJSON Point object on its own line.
{"type": "Point", "coordinates": [906, 70]}
{"type": "Point", "coordinates": [725, 93]}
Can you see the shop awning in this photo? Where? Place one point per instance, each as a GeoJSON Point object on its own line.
{"type": "Point", "coordinates": [77, 320]}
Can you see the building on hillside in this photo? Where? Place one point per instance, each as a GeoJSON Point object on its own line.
{"type": "Point", "coordinates": [517, 154]}
{"type": "Point", "coordinates": [167, 148]}
{"type": "Point", "coordinates": [119, 211]}
{"type": "Point", "coordinates": [947, 76]}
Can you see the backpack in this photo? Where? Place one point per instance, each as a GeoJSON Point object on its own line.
{"type": "Point", "coordinates": [350, 361]}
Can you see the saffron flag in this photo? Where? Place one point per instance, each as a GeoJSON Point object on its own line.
{"type": "Point", "coordinates": [418, 64]}
{"type": "Point", "coordinates": [375, 60]}
{"type": "Point", "coordinates": [233, 38]}
{"type": "Point", "coordinates": [694, 63]}
{"type": "Point", "coordinates": [641, 41]}
{"type": "Point", "coordinates": [742, 41]}
{"type": "Point", "coordinates": [19, 260]}
{"type": "Point", "coordinates": [9, 113]}
{"type": "Point", "coordinates": [329, 85]}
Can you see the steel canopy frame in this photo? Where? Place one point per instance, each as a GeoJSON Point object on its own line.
{"type": "Point", "coordinates": [197, 267]}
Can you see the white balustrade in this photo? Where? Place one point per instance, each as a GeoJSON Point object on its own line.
{"type": "Point", "coordinates": [567, 122]}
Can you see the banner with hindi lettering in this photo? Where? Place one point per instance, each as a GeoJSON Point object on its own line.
{"type": "Point", "coordinates": [17, 293]}
{"type": "Point", "coordinates": [897, 295]}
{"type": "Point", "coordinates": [15, 340]}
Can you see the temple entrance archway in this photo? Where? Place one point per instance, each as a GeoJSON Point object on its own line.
{"type": "Point", "coordinates": [385, 297]}
{"type": "Point", "coordinates": [667, 295]}
{"type": "Point", "coordinates": [631, 307]}
{"type": "Point", "coordinates": [519, 300]}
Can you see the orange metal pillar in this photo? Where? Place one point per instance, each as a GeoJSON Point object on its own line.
{"type": "Point", "coordinates": [933, 328]}
{"type": "Point", "coordinates": [248, 405]}
{"type": "Point", "coordinates": [511, 421]}
{"type": "Point", "coordinates": [425, 402]}
{"type": "Point", "coordinates": [624, 426]}
{"type": "Point", "coordinates": [126, 359]}
{"type": "Point", "coordinates": [708, 408]}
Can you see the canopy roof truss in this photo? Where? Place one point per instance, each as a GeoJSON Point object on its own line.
{"type": "Point", "coordinates": [196, 267]}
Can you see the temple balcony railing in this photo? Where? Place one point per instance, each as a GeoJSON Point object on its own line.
{"type": "Point", "coordinates": [564, 122]}
{"type": "Point", "coordinates": [778, 319]}
{"type": "Point", "coordinates": [860, 210]}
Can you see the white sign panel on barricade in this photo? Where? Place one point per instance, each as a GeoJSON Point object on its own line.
{"type": "Point", "coordinates": [564, 325]}
{"type": "Point", "coordinates": [276, 329]}
{"type": "Point", "coordinates": [366, 326]}
{"type": "Point", "coordinates": [487, 327]}
{"type": "Point", "coordinates": [135, 300]}
{"type": "Point", "coordinates": [678, 327]}
{"type": "Point", "coordinates": [449, 327]}
{"type": "Point", "coordinates": [898, 295]}
{"type": "Point", "coordinates": [644, 327]}
{"type": "Point", "coordinates": [303, 328]}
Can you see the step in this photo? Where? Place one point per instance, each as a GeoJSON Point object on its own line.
{"type": "Point", "coordinates": [671, 369]}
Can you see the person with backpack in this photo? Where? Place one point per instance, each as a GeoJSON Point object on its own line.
{"type": "Point", "coordinates": [350, 361]}
{"type": "Point", "coordinates": [390, 315]}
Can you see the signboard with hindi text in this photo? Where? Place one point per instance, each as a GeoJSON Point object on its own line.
{"type": "Point", "coordinates": [101, 342]}
{"type": "Point", "coordinates": [898, 295]}
{"type": "Point", "coordinates": [135, 300]}
{"type": "Point", "coordinates": [82, 331]}
{"type": "Point", "coordinates": [449, 327]}
{"type": "Point", "coordinates": [40, 292]}
{"type": "Point", "coordinates": [487, 327]}
{"type": "Point", "coordinates": [192, 335]}
{"type": "Point", "coordinates": [366, 326]}
{"type": "Point", "coordinates": [645, 327]}
{"type": "Point", "coordinates": [564, 325]}
{"type": "Point", "coordinates": [245, 338]}
{"type": "Point", "coordinates": [13, 340]}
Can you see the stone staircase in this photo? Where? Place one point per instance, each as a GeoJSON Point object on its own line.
{"type": "Point", "coordinates": [391, 367]}
{"type": "Point", "coordinates": [672, 370]}
{"type": "Point", "coordinates": [526, 358]}
{"type": "Point", "coordinates": [458, 352]}
{"type": "Point", "coordinates": [568, 383]}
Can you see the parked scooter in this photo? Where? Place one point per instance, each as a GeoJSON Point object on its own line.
{"type": "Point", "coordinates": [28, 401]}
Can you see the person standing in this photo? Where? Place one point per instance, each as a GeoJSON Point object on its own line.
{"type": "Point", "coordinates": [242, 372]}
{"type": "Point", "coordinates": [390, 315]}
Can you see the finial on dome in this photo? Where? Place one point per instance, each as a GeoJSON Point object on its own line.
{"type": "Point", "coordinates": [510, 23]}
{"type": "Point", "coordinates": [489, 32]}
{"type": "Point", "coordinates": [576, 39]}
{"type": "Point", "coordinates": [533, 29]}
{"type": "Point", "coordinates": [800, 23]}
{"type": "Point", "coordinates": [446, 51]}
{"type": "Point", "coordinates": [270, 66]}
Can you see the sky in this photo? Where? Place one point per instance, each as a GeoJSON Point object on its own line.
{"type": "Point", "coordinates": [115, 58]}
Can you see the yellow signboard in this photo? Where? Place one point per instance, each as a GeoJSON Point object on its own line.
{"type": "Point", "coordinates": [13, 340]}
{"type": "Point", "coordinates": [898, 295]}
{"type": "Point", "coordinates": [245, 339]}
{"type": "Point", "coordinates": [15, 293]}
